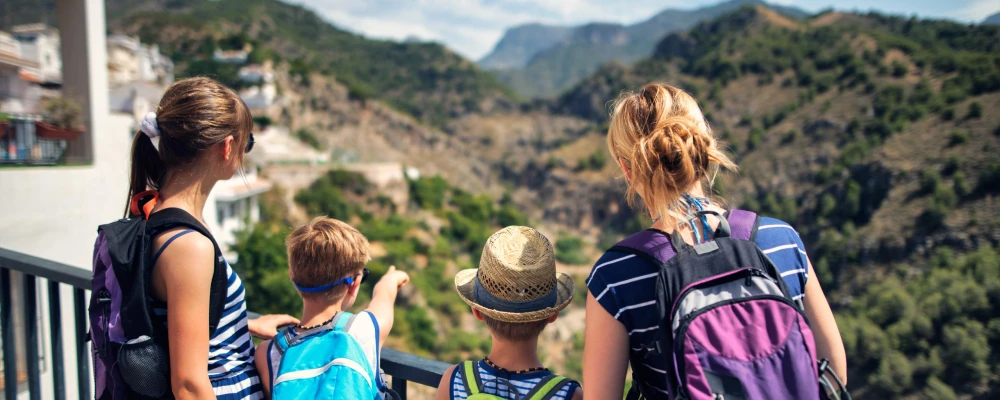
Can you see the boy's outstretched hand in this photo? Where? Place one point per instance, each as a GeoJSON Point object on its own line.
{"type": "Point", "coordinates": [395, 277]}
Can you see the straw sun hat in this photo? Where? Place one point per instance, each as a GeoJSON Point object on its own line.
{"type": "Point", "coordinates": [516, 280]}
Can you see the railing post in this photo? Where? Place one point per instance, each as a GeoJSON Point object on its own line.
{"type": "Point", "coordinates": [399, 386]}
{"type": "Point", "coordinates": [7, 328]}
{"type": "Point", "coordinates": [82, 347]}
{"type": "Point", "coordinates": [55, 333]}
{"type": "Point", "coordinates": [31, 337]}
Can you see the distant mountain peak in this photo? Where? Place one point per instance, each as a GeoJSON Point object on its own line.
{"type": "Point", "coordinates": [542, 60]}
{"type": "Point", "coordinates": [992, 19]}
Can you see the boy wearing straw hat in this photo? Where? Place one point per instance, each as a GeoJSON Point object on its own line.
{"type": "Point", "coordinates": [516, 291]}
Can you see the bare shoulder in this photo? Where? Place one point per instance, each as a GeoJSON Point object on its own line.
{"type": "Point", "coordinates": [189, 250]}
{"type": "Point", "coordinates": [444, 388]}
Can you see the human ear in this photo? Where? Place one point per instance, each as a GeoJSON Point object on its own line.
{"type": "Point", "coordinates": [478, 314]}
{"type": "Point", "coordinates": [553, 318]}
{"type": "Point", "coordinates": [227, 147]}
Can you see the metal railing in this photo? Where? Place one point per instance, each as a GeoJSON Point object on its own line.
{"type": "Point", "coordinates": [402, 367]}
{"type": "Point", "coordinates": [19, 143]}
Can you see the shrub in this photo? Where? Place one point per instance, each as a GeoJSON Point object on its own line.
{"type": "Point", "coordinates": [756, 136]}
{"type": "Point", "coordinates": [789, 136]}
{"type": "Point", "coordinates": [948, 114]}
{"type": "Point", "coordinates": [975, 111]}
{"type": "Point", "coordinates": [958, 137]}
{"type": "Point", "coordinates": [63, 113]}
{"type": "Point", "coordinates": [951, 166]}
{"type": "Point", "coordinates": [929, 181]}
{"type": "Point", "coordinates": [429, 193]}
{"type": "Point", "coordinates": [899, 69]}
{"type": "Point", "coordinates": [595, 161]}
{"type": "Point", "coordinates": [569, 249]}
{"type": "Point", "coordinates": [989, 178]}
{"type": "Point", "coordinates": [306, 136]}
{"type": "Point", "coordinates": [262, 121]}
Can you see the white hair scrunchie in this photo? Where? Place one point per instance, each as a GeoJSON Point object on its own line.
{"type": "Point", "coordinates": [149, 126]}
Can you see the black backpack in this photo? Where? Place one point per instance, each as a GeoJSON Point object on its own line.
{"type": "Point", "coordinates": [127, 345]}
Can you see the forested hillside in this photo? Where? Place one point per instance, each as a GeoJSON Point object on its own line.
{"type": "Point", "coordinates": [877, 137]}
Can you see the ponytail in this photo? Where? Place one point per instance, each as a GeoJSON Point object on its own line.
{"type": "Point", "coordinates": [147, 168]}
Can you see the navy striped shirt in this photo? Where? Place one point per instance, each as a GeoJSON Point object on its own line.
{"type": "Point", "coordinates": [625, 285]}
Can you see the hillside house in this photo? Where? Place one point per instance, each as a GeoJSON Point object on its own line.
{"type": "Point", "coordinates": [233, 56]}
{"type": "Point", "coordinates": [129, 60]}
{"type": "Point", "coordinates": [41, 44]}
{"type": "Point", "coordinates": [19, 78]}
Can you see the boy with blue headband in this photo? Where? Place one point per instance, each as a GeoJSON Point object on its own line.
{"type": "Point", "coordinates": [327, 260]}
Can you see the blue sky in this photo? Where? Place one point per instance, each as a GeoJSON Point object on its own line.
{"type": "Point", "coordinates": [472, 27]}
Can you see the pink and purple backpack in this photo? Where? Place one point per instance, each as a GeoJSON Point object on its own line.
{"type": "Point", "coordinates": [729, 329]}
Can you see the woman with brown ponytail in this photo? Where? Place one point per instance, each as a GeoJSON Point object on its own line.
{"type": "Point", "coordinates": [668, 155]}
{"type": "Point", "coordinates": [203, 130]}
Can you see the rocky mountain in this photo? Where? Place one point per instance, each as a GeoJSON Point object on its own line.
{"type": "Point", "coordinates": [520, 43]}
{"type": "Point", "coordinates": [992, 19]}
{"type": "Point", "coordinates": [558, 57]}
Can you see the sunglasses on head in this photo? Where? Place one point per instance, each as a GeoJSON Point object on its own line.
{"type": "Point", "coordinates": [250, 144]}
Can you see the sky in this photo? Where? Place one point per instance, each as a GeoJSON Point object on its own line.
{"type": "Point", "coordinates": [473, 27]}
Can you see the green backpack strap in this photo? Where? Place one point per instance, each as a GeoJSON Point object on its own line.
{"type": "Point", "coordinates": [470, 378]}
{"type": "Point", "coordinates": [548, 387]}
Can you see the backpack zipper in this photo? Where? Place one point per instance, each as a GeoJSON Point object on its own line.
{"type": "Point", "coordinates": [682, 328]}
{"type": "Point", "coordinates": [104, 299]}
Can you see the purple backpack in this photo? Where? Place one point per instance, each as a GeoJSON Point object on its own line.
{"type": "Point", "coordinates": [131, 357]}
{"type": "Point", "coordinates": [729, 329]}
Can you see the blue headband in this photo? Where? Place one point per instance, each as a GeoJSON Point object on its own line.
{"type": "Point", "coordinates": [488, 300]}
{"type": "Point", "coordinates": [349, 280]}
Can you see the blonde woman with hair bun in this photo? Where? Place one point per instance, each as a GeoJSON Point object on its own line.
{"type": "Point", "coordinates": [669, 157]}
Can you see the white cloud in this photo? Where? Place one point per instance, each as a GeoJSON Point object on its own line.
{"type": "Point", "coordinates": [976, 10]}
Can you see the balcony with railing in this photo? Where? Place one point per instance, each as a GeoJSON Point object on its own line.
{"type": "Point", "coordinates": [25, 141]}
{"type": "Point", "coordinates": [21, 318]}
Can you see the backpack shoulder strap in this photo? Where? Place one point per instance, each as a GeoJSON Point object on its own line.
{"type": "Point", "coordinates": [282, 340]}
{"type": "Point", "coordinates": [743, 224]}
{"type": "Point", "coordinates": [470, 377]}
{"type": "Point", "coordinates": [652, 245]}
{"type": "Point", "coordinates": [343, 321]}
{"type": "Point", "coordinates": [547, 388]}
{"type": "Point", "coordinates": [171, 218]}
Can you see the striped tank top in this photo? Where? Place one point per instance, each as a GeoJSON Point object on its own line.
{"type": "Point", "coordinates": [625, 285]}
{"type": "Point", "coordinates": [230, 358]}
{"type": "Point", "coordinates": [502, 384]}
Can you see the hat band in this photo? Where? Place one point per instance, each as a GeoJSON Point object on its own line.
{"type": "Point", "coordinates": [486, 299]}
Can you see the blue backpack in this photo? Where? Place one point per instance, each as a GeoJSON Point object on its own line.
{"type": "Point", "coordinates": [324, 363]}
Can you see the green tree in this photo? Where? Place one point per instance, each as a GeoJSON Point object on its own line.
{"type": "Point", "coordinates": [263, 268]}
{"type": "Point", "coordinates": [975, 111]}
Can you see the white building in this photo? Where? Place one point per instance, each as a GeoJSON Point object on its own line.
{"type": "Point", "coordinates": [135, 98]}
{"type": "Point", "coordinates": [42, 44]}
{"type": "Point", "coordinates": [19, 78]}
{"type": "Point", "coordinates": [131, 61]}
{"type": "Point", "coordinates": [235, 208]}
{"type": "Point", "coordinates": [257, 73]}
{"type": "Point", "coordinates": [233, 56]}
{"type": "Point", "coordinates": [260, 97]}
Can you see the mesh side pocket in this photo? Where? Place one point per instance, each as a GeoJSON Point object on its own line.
{"type": "Point", "coordinates": [144, 365]}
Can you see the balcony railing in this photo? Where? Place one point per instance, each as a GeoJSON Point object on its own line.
{"type": "Point", "coordinates": [401, 367]}
{"type": "Point", "coordinates": [20, 143]}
